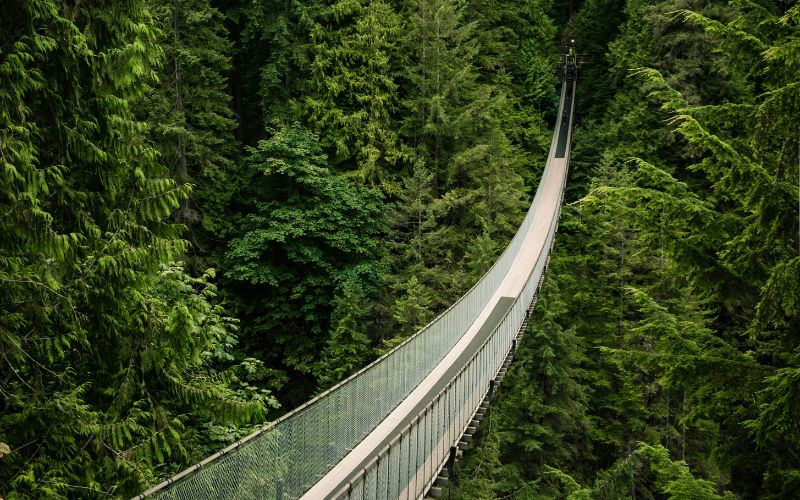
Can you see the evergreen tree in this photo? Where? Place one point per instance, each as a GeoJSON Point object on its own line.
{"type": "Point", "coordinates": [517, 53]}
{"type": "Point", "coordinates": [271, 61]}
{"type": "Point", "coordinates": [104, 346]}
{"type": "Point", "coordinates": [352, 94]}
{"type": "Point", "coordinates": [464, 178]}
{"type": "Point", "coordinates": [706, 207]}
{"type": "Point", "coordinates": [422, 250]}
{"type": "Point", "coordinates": [189, 115]}
{"type": "Point", "coordinates": [538, 421]}
{"type": "Point", "coordinates": [349, 344]}
{"type": "Point", "coordinates": [648, 469]}
{"type": "Point", "coordinates": [412, 307]}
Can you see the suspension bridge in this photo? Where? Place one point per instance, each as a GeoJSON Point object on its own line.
{"type": "Point", "coordinates": [396, 428]}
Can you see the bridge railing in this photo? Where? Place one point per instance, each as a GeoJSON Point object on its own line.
{"type": "Point", "coordinates": [286, 457]}
{"type": "Point", "coordinates": [408, 465]}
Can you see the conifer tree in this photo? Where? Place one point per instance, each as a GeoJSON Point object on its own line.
{"type": "Point", "coordinates": [270, 62]}
{"type": "Point", "coordinates": [707, 204]}
{"type": "Point", "coordinates": [190, 118]}
{"type": "Point", "coordinates": [648, 469]}
{"type": "Point", "coordinates": [412, 307]}
{"type": "Point", "coordinates": [454, 129]}
{"type": "Point", "coordinates": [537, 420]}
{"type": "Point", "coordinates": [421, 255]}
{"type": "Point", "coordinates": [352, 94]}
{"type": "Point", "coordinates": [546, 412]}
{"type": "Point", "coordinates": [517, 53]}
{"type": "Point", "coordinates": [349, 346]}
{"type": "Point", "coordinates": [443, 47]}
{"type": "Point", "coordinates": [105, 347]}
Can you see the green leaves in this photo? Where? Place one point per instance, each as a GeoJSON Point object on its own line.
{"type": "Point", "coordinates": [96, 329]}
{"type": "Point", "coordinates": [630, 476]}
{"type": "Point", "coordinates": [353, 91]}
{"type": "Point", "coordinates": [189, 117]}
{"type": "Point", "coordinates": [349, 346]}
{"type": "Point", "coordinates": [538, 420]}
{"type": "Point", "coordinates": [305, 233]}
{"type": "Point", "coordinates": [678, 270]}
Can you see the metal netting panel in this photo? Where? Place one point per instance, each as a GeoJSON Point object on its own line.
{"type": "Point", "coordinates": [286, 459]}
{"type": "Point", "coordinates": [371, 483]}
{"type": "Point", "coordinates": [403, 464]}
{"type": "Point", "coordinates": [383, 477]}
{"type": "Point", "coordinates": [394, 471]}
{"type": "Point", "coordinates": [357, 490]}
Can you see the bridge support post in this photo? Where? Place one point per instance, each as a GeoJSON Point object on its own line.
{"type": "Point", "coordinates": [491, 390]}
{"type": "Point", "coordinates": [513, 348]}
{"type": "Point", "coordinates": [451, 460]}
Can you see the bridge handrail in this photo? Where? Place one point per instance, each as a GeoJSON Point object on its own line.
{"type": "Point", "coordinates": [398, 380]}
{"type": "Point", "coordinates": [478, 394]}
{"type": "Point", "coordinates": [482, 366]}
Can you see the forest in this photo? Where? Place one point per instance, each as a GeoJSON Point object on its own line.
{"type": "Point", "coordinates": [213, 210]}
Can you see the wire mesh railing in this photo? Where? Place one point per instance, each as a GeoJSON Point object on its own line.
{"type": "Point", "coordinates": [425, 444]}
{"type": "Point", "coordinates": [283, 459]}
{"type": "Point", "coordinates": [407, 467]}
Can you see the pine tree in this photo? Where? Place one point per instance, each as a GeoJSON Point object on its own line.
{"type": "Point", "coordinates": [460, 157]}
{"type": "Point", "coordinates": [349, 346]}
{"type": "Point", "coordinates": [443, 48]}
{"type": "Point", "coordinates": [545, 415]}
{"type": "Point", "coordinates": [518, 54]}
{"type": "Point", "coordinates": [647, 470]}
{"type": "Point", "coordinates": [352, 95]}
{"type": "Point", "coordinates": [412, 307]}
{"type": "Point", "coordinates": [421, 250]}
{"type": "Point", "coordinates": [709, 233]}
{"type": "Point", "coordinates": [271, 62]}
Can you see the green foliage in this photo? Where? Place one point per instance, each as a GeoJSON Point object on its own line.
{"type": "Point", "coordinates": [353, 90]}
{"type": "Point", "coordinates": [412, 307]}
{"type": "Point", "coordinates": [649, 468]}
{"type": "Point", "coordinates": [547, 418]}
{"type": "Point", "coordinates": [403, 98]}
{"type": "Point", "coordinates": [463, 193]}
{"type": "Point", "coordinates": [105, 348]}
{"type": "Point", "coordinates": [389, 149]}
{"type": "Point", "coordinates": [189, 117]}
{"type": "Point", "coordinates": [271, 61]}
{"type": "Point", "coordinates": [349, 345]}
{"type": "Point", "coordinates": [681, 258]}
{"type": "Point", "coordinates": [423, 251]}
{"type": "Point", "coordinates": [304, 233]}
{"type": "Point", "coordinates": [538, 421]}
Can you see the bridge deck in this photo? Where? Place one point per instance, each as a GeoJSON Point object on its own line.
{"type": "Point", "coordinates": [533, 247]}
{"type": "Point", "coordinates": [414, 418]}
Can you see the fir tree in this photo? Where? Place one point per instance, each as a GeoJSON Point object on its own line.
{"type": "Point", "coordinates": [353, 93]}
{"type": "Point", "coordinates": [349, 346]}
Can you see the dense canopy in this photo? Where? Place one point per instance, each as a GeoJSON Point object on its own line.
{"type": "Point", "coordinates": [212, 210]}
